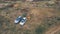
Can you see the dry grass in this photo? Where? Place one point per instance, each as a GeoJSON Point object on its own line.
{"type": "Point", "coordinates": [41, 18]}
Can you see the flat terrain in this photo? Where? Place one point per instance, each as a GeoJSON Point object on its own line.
{"type": "Point", "coordinates": [43, 17]}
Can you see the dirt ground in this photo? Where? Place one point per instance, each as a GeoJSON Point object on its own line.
{"type": "Point", "coordinates": [44, 18]}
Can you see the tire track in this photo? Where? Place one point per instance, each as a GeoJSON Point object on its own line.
{"type": "Point", "coordinates": [53, 30]}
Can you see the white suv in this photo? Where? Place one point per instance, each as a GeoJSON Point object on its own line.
{"type": "Point", "coordinates": [22, 22]}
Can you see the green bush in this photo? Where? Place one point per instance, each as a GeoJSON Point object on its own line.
{"type": "Point", "coordinates": [40, 29]}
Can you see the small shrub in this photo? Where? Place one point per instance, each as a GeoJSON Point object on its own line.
{"type": "Point", "coordinates": [40, 29]}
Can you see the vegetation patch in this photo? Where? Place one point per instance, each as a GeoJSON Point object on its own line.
{"type": "Point", "coordinates": [40, 29]}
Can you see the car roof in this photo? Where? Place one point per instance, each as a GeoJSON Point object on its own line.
{"type": "Point", "coordinates": [19, 16]}
{"type": "Point", "coordinates": [24, 17]}
{"type": "Point", "coordinates": [23, 20]}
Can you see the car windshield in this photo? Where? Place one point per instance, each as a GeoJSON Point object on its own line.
{"type": "Point", "coordinates": [23, 21]}
{"type": "Point", "coordinates": [18, 19]}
